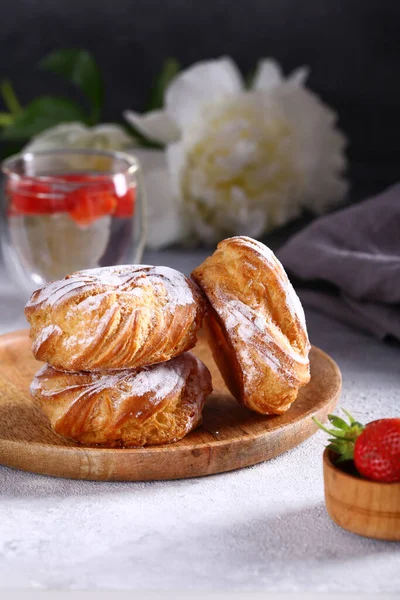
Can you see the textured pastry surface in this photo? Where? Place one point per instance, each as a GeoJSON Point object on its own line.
{"type": "Point", "coordinates": [154, 405]}
{"type": "Point", "coordinates": [256, 325]}
{"type": "Point", "coordinates": [114, 318]}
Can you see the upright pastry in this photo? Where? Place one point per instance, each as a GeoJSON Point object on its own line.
{"type": "Point", "coordinates": [114, 318]}
{"type": "Point", "coordinates": [154, 405]}
{"type": "Point", "coordinates": [256, 325]}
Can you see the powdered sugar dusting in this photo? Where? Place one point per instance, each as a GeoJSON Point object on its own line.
{"type": "Point", "coordinates": [240, 320]}
{"type": "Point", "coordinates": [258, 337]}
{"type": "Point", "coordinates": [292, 300]}
{"type": "Point", "coordinates": [259, 246]}
{"type": "Point", "coordinates": [238, 317]}
{"type": "Point", "coordinates": [89, 304]}
{"type": "Point", "coordinates": [112, 276]}
{"type": "Point", "coordinates": [260, 323]}
{"type": "Point", "coordinates": [249, 368]}
{"type": "Point", "coordinates": [179, 291]}
{"type": "Point", "coordinates": [159, 380]}
{"type": "Point", "coordinates": [295, 306]}
{"type": "Point", "coordinates": [155, 382]}
{"type": "Point", "coordinates": [44, 335]}
{"type": "Point", "coordinates": [77, 341]}
{"type": "Point", "coordinates": [55, 292]}
{"type": "Point", "coordinates": [130, 279]}
{"type": "Point", "coordinates": [35, 385]}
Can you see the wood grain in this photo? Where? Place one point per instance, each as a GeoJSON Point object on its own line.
{"type": "Point", "coordinates": [364, 507]}
{"type": "Point", "coordinates": [231, 436]}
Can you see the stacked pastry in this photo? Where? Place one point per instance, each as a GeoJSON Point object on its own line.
{"type": "Point", "coordinates": [115, 341]}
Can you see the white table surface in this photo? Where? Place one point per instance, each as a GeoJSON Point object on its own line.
{"type": "Point", "coordinates": [261, 528]}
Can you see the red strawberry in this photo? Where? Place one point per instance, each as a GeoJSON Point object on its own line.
{"type": "Point", "coordinates": [375, 448]}
{"type": "Point", "coordinates": [90, 203]}
{"type": "Point", "coordinates": [33, 196]}
{"type": "Point", "coordinates": [126, 205]}
{"type": "Point", "coordinates": [85, 203]}
{"type": "Point", "coordinates": [377, 451]}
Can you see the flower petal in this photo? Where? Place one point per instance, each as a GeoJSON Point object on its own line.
{"type": "Point", "coordinates": [299, 76]}
{"type": "Point", "coordinates": [58, 136]}
{"type": "Point", "coordinates": [163, 214]}
{"type": "Point", "coordinates": [164, 225]}
{"type": "Point", "coordinates": [176, 161]}
{"type": "Point", "coordinates": [106, 136]}
{"type": "Point", "coordinates": [206, 82]}
{"type": "Point", "coordinates": [320, 157]}
{"type": "Point", "coordinates": [268, 75]}
{"type": "Point", "coordinates": [157, 125]}
{"type": "Point", "coordinates": [150, 158]}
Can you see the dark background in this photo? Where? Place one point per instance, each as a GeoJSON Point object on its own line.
{"type": "Point", "coordinates": [352, 48]}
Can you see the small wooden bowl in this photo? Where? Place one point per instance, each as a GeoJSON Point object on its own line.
{"type": "Point", "coordinates": [365, 507]}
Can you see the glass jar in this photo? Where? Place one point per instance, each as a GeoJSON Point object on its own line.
{"type": "Point", "coordinates": [68, 210]}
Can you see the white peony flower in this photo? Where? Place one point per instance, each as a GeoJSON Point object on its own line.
{"type": "Point", "coordinates": [246, 161]}
{"type": "Point", "coordinates": [164, 225]}
{"type": "Point", "coordinates": [107, 136]}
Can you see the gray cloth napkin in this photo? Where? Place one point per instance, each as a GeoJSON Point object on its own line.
{"type": "Point", "coordinates": [347, 264]}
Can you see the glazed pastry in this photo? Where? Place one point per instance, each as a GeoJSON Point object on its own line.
{"type": "Point", "coordinates": [256, 325]}
{"type": "Point", "coordinates": [114, 318]}
{"type": "Point", "coordinates": [154, 405]}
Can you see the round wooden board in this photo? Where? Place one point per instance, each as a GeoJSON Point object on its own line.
{"type": "Point", "coordinates": [231, 436]}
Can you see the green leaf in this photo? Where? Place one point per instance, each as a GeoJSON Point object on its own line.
{"type": "Point", "coordinates": [9, 97]}
{"type": "Point", "coordinates": [170, 69]}
{"type": "Point", "coordinates": [345, 450]}
{"type": "Point", "coordinates": [351, 419]}
{"type": "Point", "coordinates": [334, 432]}
{"type": "Point", "coordinates": [80, 68]}
{"type": "Point", "coordinates": [40, 114]}
{"type": "Point", "coordinates": [5, 119]}
{"type": "Point", "coordinates": [338, 422]}
{"type": "Point", "coordinates": [343, 437]}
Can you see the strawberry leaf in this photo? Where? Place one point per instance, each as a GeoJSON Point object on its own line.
{"type": "Point", "coordinates": [337, 433]}
{"type": "Point", "coordinates": [351, 419]}
{"type": "Point", "coordinates": [342, 438]}
{"type": "Point", "coordinates": [345, 452]}
{"type": "Point", "coordinates": [338, 422]}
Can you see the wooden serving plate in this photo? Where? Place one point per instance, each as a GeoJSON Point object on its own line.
{"type": "Point", "coordinates": [231, 436]}
{"type": "Point", "coordinates": [368, 508]}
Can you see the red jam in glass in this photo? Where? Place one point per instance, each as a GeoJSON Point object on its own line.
{"type": "Point", "coordinates": [84, 197]}
{"type": "Point", "coordinates": [62, 223]}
